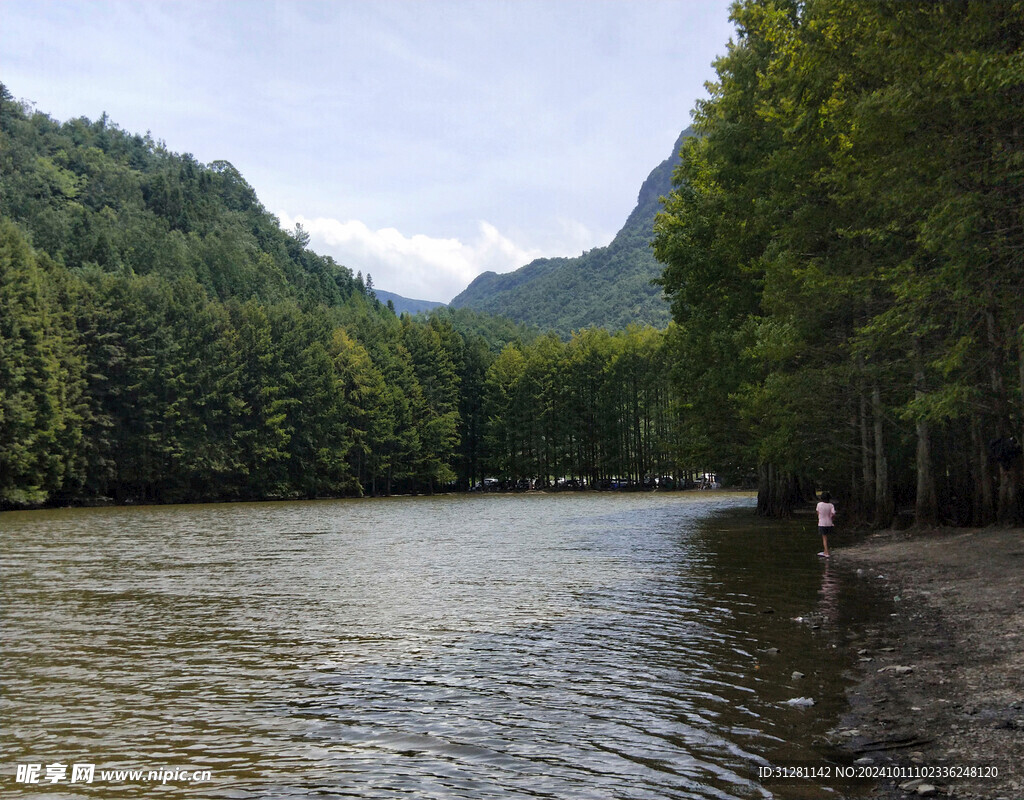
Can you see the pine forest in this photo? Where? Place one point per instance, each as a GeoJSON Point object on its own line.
{"type": "Point", "coordinates": [845, 258]}
{"type": "Point", "coordinates": [163, 340]}
{"type": "Point", "coordinates": [843, 252]}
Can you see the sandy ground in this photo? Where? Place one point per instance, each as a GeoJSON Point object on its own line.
{"type": "Point", "coordinates": [941, 684]}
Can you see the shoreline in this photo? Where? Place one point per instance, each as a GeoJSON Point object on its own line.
{"type": "Point", "coordinates": [108, 502]}
{"type": "Point", "coordinates": [940, 685]}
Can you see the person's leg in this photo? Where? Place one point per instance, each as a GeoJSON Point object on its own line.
{"type": "Point", "coordinates": [824, 544]}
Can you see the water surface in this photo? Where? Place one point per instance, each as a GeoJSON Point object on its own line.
{"type": "Point", "coordinates": [535, 646]}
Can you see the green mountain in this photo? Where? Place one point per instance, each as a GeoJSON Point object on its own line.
{"type": "Point", "coordinates": [95, 198]}
{"type": "Point", "coordinates": [606, 287]}
{"type": "Point", "coordinates": [405, 304]}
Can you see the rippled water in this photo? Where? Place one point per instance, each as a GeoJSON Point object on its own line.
{"type": "Point", "coordinates": [566, 646]}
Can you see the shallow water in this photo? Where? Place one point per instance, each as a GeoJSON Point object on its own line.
{"type": "Point", "coordinates": [562, 646]}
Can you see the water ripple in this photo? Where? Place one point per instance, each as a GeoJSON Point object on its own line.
{"type": "Point", "coordinates": [532, 647]}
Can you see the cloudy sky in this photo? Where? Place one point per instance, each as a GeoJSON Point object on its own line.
{"type": "Point", "coordinates": [421, 141]}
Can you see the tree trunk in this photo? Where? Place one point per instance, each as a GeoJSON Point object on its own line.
{"type": "Point", "coordinates": [1006, 510]}
{"type": "Point", "coordinates": [883, 493]}
{"type": "Point", "coordinates": [777, 491]}
{"type": "Point", "coordinates": [984, 506]}
{"type": "Point", "coordinates": [926, 512]}
{"type": "Point", "coordinates": [1020, 367]}
{"type": "Point", "coordinates": [926, 506]}
{"type": "Point", "coordinates": [1008, 500]}
{"type": "Point", "coordinates": [867, 461]}
{"type": "Point", "coordinates": [764, 492]}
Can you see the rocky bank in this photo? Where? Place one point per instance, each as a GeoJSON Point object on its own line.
{"type": "Point", "coordinates": [941, 683]}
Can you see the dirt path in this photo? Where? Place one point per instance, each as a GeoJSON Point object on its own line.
{"type": "Point", "coordinates": [942, 684]}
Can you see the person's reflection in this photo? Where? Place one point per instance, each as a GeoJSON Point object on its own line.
{"type": "Point", "coordinates": [828, 595]}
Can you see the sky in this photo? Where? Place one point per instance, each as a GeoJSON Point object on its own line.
{"type": "Point", "coordinates": [420, 141]}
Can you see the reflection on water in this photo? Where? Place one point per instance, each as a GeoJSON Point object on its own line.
{"type": "Point", "coordinates": [828, 595]}
{"type": "Point", "coordinates": [568, 646]}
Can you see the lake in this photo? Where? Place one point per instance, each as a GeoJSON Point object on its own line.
{"type": "Point", "coordinates": [574, 645]}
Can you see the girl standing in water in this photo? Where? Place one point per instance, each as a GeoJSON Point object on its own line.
{"type": "Point", "coordinates": [826, 515]}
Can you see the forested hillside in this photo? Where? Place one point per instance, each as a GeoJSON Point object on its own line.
{"type": "Point", "coordinates": [845, 258]}
{"type": "Point", "coordinates": [843, 251]}
{"type": "Point", "coordinates": [163, 340]}
{"type": "Point", "coordinates": [609, 287]}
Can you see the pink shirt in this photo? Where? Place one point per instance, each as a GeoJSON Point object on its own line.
{"type": "Point", "coordinates": [826, 511]}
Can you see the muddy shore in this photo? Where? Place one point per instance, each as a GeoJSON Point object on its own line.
{"type": "Point", "coordinates": [940, 685]}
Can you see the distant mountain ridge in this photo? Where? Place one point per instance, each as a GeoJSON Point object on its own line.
{"type": "Point", "coordinates": [606, 287]}
{"type": "Point", "coordinates": [405, 304]}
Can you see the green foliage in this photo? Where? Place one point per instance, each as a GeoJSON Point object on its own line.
{"type": "Point", "coordinates": [595, 408]}
{"type": "Point", "coordinates": [41, 412]}
{"type": "Point", "coordinates": [89, 193]}
{"type": "Point", "coordinates": [163, 340]}
{"type": "Point", "coordinates": [846, 238]}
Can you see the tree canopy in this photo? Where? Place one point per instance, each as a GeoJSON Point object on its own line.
{"type": "Point", "coordinates": [844, 255]}
{"type": "Point", "coordinates": [163, 340]}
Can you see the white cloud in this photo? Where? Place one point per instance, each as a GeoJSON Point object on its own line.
{"type": "Point", "coordinates": [419, 266]}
